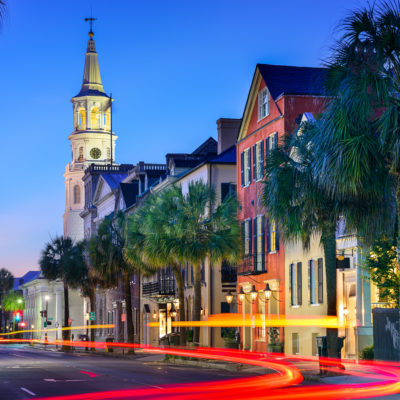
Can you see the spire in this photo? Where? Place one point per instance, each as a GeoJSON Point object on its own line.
{"type": "Point", "coordinates": [91, 84]}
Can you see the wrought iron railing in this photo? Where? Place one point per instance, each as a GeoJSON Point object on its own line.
{"type": "Point", "coordinates": [252, 264]}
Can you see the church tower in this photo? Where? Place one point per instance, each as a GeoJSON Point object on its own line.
{"type": "Point", "coordinates": [90, 140]}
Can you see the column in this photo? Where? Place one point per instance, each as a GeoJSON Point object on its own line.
{"type": "Point", "coordinates": [59, 310]}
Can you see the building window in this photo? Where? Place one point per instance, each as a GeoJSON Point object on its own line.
{"type": "Point", "coordinates": [246, 237]}
{"type": "Point", "coordinates": [245, 165]}
{"type": "Point", "coordinates": [77, 194]}
{"type": "Point", "coordinates": [271, 143]}
{"type": "Point", "coordinates": [295, 283]}
{"type": "Point", "coordinates": [295, 343]}
{"type": "Point", "coordinates": [227, 190]}
{"type": "Point", "coordinates": [272, 236]}
{"type": "Point", "coordinates": [80, 157]}
{"type": "Point", "coordinates": [315, 281]}
{"type": "Point", "coordinates": [259, 243]}
{"type": "Point", "coordinates": [263, 103]}
{"type": "Point", "coordinates": [258, 161]}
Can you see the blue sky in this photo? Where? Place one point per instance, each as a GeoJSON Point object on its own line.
{"type": "Point", "coordinates": [174, 68]}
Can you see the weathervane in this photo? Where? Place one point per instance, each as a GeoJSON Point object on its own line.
{"type": "Point", "coordinates": [91, 20]}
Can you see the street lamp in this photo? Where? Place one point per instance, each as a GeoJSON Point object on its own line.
{"type": "Point", "coordinates": [176, 304]}
{"type": "Point", "coordinates": [267, 291]}
{"type": "Point", "coordinates": [47, 298]}
{"type": "Point", "coordinates": [229, 297]}
{"type": "Point", "coordinates": [241, 295]}
{"type": "Point", "coordinates": [154, 314]}
{"type": "Point", "coordinates": [253, 293]}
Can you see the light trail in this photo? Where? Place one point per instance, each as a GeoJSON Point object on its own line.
{"type": "Point", "coordinates": [280, 385]}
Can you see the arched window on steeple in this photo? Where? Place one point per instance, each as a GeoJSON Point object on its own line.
{"type": "Point", "coordinates": [77, 194]}
{"type": "Point", "coordinates": [95, 118]}
{"type": "Point", "coordinates": [81, 119]}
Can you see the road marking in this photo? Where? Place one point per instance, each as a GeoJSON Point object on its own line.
{"type": "Point", "coordinates": [28, 391]}
{"type": "Point", "coordinates": [49, 380]}
{"type": "Point", "coordinates": [18, 355]}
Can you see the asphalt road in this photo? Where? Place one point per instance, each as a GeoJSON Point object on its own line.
{"type": "Point", "coordinates": [30, 373]}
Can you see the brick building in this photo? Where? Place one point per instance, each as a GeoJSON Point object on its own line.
{"type": "Point", "coordinates": [278, 97]}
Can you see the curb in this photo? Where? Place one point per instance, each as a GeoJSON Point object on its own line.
{"type": "Point", "coordinates": [232, 367]}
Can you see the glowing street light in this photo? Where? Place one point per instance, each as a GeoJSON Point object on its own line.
{"type": "Point", "coordinates": [241, 295]}
{"type": "Point", "coordinates": [229, 297]}
{"type": "Point", "coordinates": [253, 293]}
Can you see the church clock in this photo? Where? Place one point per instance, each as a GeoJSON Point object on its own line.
{"type": "Point", "coordinates": [95, 153]}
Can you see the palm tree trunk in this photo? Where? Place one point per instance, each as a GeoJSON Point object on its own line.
{"type": "Point", "coordinates": [128, 308]}
{"type": "Point", "coordinates": [92, 309]}
{"type": "Point", "coordinates": [197, 302]}
{"type": "Point", "coordinates": [328, 239]}
{"type": "Point", "coordinates": [66, 333]}
{"type": "Point", "coordinates": [181, 297]}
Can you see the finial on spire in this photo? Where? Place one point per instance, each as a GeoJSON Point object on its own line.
{"type": "Point", "coordinates": [91, 20]}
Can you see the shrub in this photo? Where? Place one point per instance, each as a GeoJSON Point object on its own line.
{"type": "Point", "coordinates": [367, 353]}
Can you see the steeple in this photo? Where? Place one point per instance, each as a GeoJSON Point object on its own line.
{"type": "Point", "coordinates": [91, 83]}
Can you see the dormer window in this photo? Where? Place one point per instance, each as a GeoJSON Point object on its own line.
{"type": "Point", "coordinates": [263, 103]}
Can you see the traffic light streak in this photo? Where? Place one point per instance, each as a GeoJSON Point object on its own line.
{"type": "Point", "coordinates": [283, 384]}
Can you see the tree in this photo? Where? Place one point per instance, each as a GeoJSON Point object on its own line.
{"type": "Point", "coordinates": [294, 200]}
{"type": "Point", "coordinates": [13, 301]}
{"type": "Point", "coordinates": [6, 284]}
{"type": "Point", "coordinates": [201, 229]}
{"type": "Point", "coordinates": [60, 260]}
{"type": "Point", "coordinates": [106, 250]}
{"type": "Point", "coordinates": [357, 142]}
{"type": "Point", "coordinates": [149, 239]}
{"type": "Point", "coordinates": [383, 268]}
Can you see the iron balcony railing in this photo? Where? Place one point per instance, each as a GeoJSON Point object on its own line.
{"type": "Point", "coordinates": [253, 264]}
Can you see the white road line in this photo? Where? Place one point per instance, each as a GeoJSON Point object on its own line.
{"type": "Point", "coordinates": [28, 391]}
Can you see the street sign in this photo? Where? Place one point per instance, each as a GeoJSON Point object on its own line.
{"type": "Point", "coordinates": [45, 324]}
{"type": "Point", "coordinates": [92, 316]}
{"type": "Point", "coordinates": [50, 319]}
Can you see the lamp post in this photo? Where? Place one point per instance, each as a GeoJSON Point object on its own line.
{"type": "Point", "coordinates": [47, 298]}
{"type": "Point", "coordinates": [87, 329]}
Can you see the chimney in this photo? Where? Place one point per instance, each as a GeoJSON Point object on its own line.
{"type": "Point", "coordinates": [228, 130]}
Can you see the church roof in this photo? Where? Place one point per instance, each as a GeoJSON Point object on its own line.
{"type": "Point", "coordinates": [113, 180]}
{"type": "Point", "coordinates": [28, 277]}
{"type": "Point", "coordinates": [91, 83]}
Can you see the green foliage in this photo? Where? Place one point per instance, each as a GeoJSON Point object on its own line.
{"type": "Point", "coordinates": [6, 281]}
{"type": "Point", "coordinates": [273, 334]}
{"type": "Point", "coordinates": [13, 301]}
{"type": "Point", "coordinates": [383, 269]}
{"type": "Point", "coordinates": [189, 335]}
{"type": "Point", "coordinates": [367, 353]}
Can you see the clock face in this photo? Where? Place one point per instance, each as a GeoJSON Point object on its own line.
{"type": "Point", "coordinates": [95, 153]}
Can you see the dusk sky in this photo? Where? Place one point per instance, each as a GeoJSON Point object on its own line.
{"type": "Point", "coordinates": [173, 67]}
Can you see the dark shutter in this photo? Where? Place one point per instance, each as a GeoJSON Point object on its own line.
{"type": "Point", "coordinates": [299, 284]}
{"type": "Point", "coordinates": [275, 140]}
{"type": "Point", "coordinates": [203, 272]}
{"type": "Point", "coordinates": [191, 274]}
{"type": "Point", "coordinates": [248, 165]}
{"type": "Point", "coordinates": [250, 225]}
{"type": "Point", "coordinates": [255, 243]}
{"type": "Point", "coordinates": [320, 281]}
{"type": "Point", "coordinates": [268, 238]}
{"type": "Point", "coordinates": [276, 237]}
{"type": "Point", "coordinates": [261, 161]}
{"type": "Point", "coordinates": [263, 242]}
{"type": "Point", "coordinates": [243, 237]}
{"type": "Point", "coordinates": [291, 284]}
{"type": "Point", "coordinates": [255, 162]}
{"type": "Point", "coordinates": [225, 190]}
{"type": "Point", "coordinates": [266, 147]}
{"type": "Point", "coordinates": [242, 168]}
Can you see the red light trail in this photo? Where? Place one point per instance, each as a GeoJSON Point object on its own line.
{"type": "Point", "coordinates": [279, 385]}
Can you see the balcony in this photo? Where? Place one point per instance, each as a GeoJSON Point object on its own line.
{"type": "Point", "coordinates": [228, 273]}
{"type": "Point", "coordinates": [166, 287]}
{"type": "Point", "coordinates": [252, 264]}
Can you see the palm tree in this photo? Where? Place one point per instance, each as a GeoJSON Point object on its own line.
{"type": "Point", "coordinates": [149, 237]}
{"type": "Point", "coordinates": [203, 230]}
{"type": "Point", "coordinates": [57, 261]}
{"type": "Point", "coordinates": [6, 284]}
{"type": "Point", "coordinates": [106, 250]}
{"type": "Point", "coordinates": [357, 141]}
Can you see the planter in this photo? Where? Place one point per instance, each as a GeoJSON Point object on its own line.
{"type": "Point", "coordinates": [275, 348]}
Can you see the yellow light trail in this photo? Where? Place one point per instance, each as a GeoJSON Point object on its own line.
{"type": "Point", "coordinates": [257, 320]}
{"type": "Point", "coordinates": [56, 329]}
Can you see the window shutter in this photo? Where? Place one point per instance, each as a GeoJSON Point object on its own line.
{"type": "Point", "coordinates": [266, 147]}
{"type": "Point", "coordinates": [255, 244]}
{"type": "Point", "coordinates": [276, 236]}
{"type": "Point", "coordinates": [243, 237]}
{"type": "Point", "coordinates": [250, 235]}
{"type": "Point", "coordinates": [309, 281]}
{"type": "Point", "coordinates": [225, 190]}
{"type": "Point", "coordinates": [275, 140]}
{"type": "Point", "coordinates": [203, 272]}
{"type": "Point", "coordinates": [291, 284]}
{"type": "Point", "coordinates": [320, 281]}
{"type": "Point", "coordinates": [268, 236]}
{"type": "Point", "coordinates": [261, 159]}
{"type": "Point", "coordinates": [248, 166]}
{"type": "Point", "coordinates": [191, 274]}
{"type": "Point", "coordinates": [255, 162]}
{"type": "Point", "coordinates": [299, 284]}
{"type": "Point", "coordinates": [242, 168]}
{"type": "Point", "coordinates": [263, 242]}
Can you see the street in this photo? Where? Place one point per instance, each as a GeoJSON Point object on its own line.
{"type": "Point", "coordinates": [32, 373]}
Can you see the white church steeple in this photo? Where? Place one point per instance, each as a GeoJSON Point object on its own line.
{"type": "Point", "coordinates": [91, 140]}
